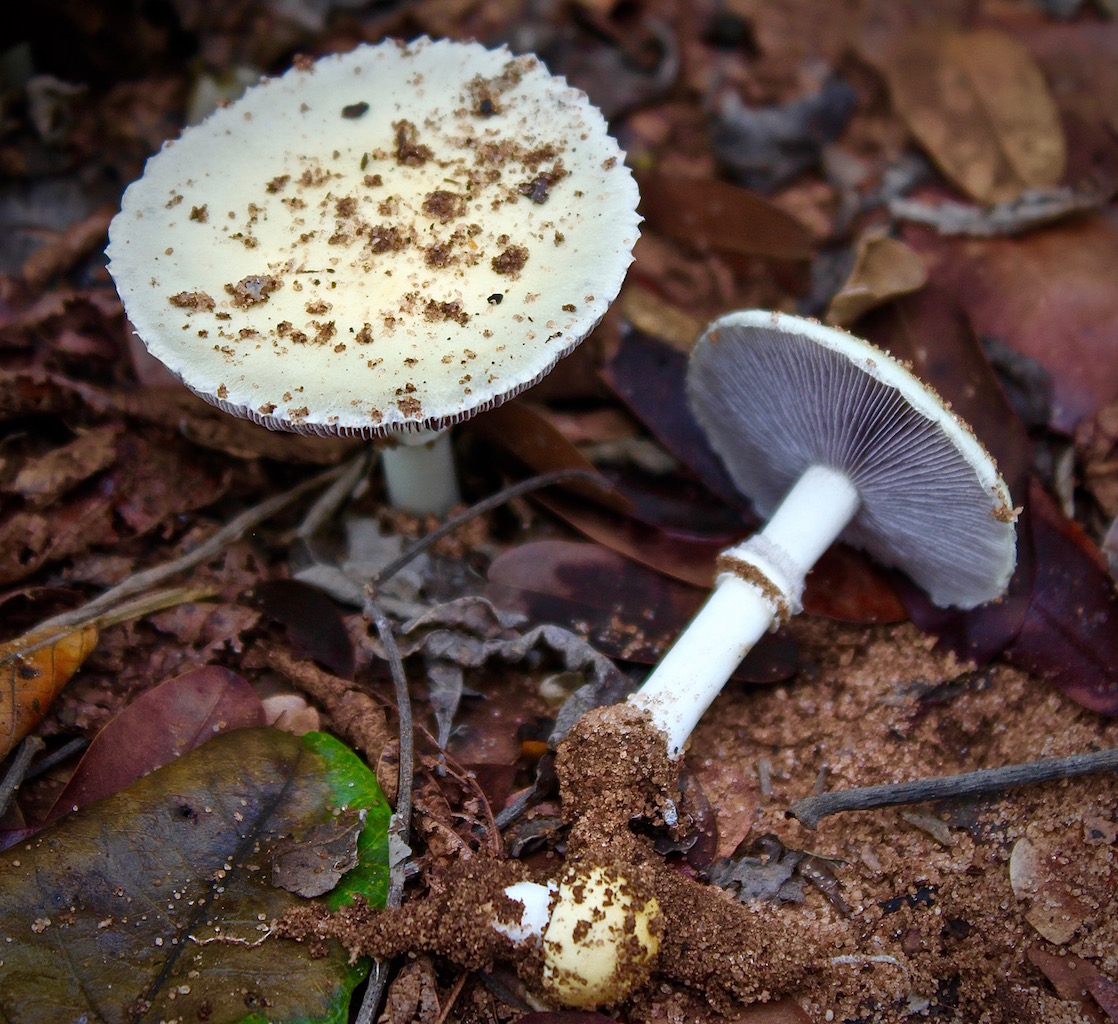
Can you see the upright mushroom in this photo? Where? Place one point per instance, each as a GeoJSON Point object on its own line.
{"type": "Point", "coordinates": [381, 244]}
{"type": "Point", "coordinates": [831, 439]}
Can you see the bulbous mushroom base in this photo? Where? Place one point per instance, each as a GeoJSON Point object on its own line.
{"type": "Point", "coordinates": [602, 940]}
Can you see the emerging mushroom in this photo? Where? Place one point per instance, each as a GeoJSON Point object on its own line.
{"type": "Point", "coordinates": [379, 244]}
{"type": "Point", "coordinates": [599, 934]}
{"type": "Point", "coordinates": [832, 439]}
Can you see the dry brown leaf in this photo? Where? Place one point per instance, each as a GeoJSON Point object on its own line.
{"type": "Point", "coordinates": [67, 249]}
{"type": "Point", "coordinates": [648, 313]}
{"type": "Point", "coordinates": [884, 268]}
{"type": "Point", "coordinates": [30, 681]}
{"type": "Point", "coordinates": [1054, 909]}
{"type": "Point", "coordinates": [42, 479]}
{"type": "Point", "coordinates": [978, 103]}
{"type": "Point", "coordinates": [710, 214]}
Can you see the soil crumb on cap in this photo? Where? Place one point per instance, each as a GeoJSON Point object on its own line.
{"type": "Point", "coordinates": [511, 261]}
{"type": "Point", "coordinates": [253, 290]}
{"type": "Point", "coordinates": [409, 150]}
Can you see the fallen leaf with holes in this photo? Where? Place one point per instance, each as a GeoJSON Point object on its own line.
{"type": "Point", "coordinates": [31, 677]}
{"type": "Point", "coordinates": [980, 106]}
{"type": "Point", "coordinates": [162, 896]}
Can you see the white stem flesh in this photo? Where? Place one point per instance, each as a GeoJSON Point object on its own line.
{"type": "Point", "coordinates": [536, 914]}
{"type": "Point", "coordinates": [419, 473]}
{"type": "Point", "coordinates": [738, 613]}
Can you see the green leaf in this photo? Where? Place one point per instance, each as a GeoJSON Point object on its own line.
{"type": "Point", "coordinates": [155, 903]}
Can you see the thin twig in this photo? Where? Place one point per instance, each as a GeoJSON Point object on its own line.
{"type": "Point", "coordinates": [452, 997]}
{"type": "Point", "coordinates": [987, 780]}
{"type": "Point", "coordinates": [327, 504]}
{"type": "Point", "coordinates": [502, 496]}
{"type": "Point", "coordinates": [46, 634]}
{"type": "Point", "coordinates": [378, 976]}
{"type": "Point", "coordinates": [63, 753]}
{"type": "Point", "coordinates": [401, 819]}
{"type": "Point", "coordinates": [230, 533]}
{"type": "Point", "coordinates": [14, 777]}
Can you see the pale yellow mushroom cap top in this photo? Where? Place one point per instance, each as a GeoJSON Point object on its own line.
{"type": "Point", "coordinates": [602, 940]}
{"type": "Point", "coordinates": [385, 241]}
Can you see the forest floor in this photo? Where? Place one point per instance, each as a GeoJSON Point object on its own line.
{"type": "Point", "coordinates": [937, 178]}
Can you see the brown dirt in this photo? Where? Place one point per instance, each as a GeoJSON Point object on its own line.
{"type": "Point", "coordinates": [926, 924]}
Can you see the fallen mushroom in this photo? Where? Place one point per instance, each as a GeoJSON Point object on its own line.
{"type": "Point", "coordinates": [379, 244]}
{"type": "Point", "coordinates": [831, 439]}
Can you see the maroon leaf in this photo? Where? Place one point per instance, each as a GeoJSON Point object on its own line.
{"type": "Point", "coordinates": [313, 623]}
{"type": "Point", "coordinates": [163, 723]}
{"type": "Point", "coordinates": [626, 610]}
{"type": "Point", "coordinates": [648, 375]}
{"type": "Point", "coordinates": [688, 560]}
{"type": "Point", "coordinates": [844, 585]}
{"type": "Point", "coordinates": [1049, 295]}
{"type": "Point", "coordinates": [520, 429]}
{"type": "Point", "coordinates": [1070, 632]}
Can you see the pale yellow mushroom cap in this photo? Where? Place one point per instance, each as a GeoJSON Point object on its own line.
{"type": "Point", "coordinates": [385, 241]}
{"type": "Point", "coordinates": [602, 940]}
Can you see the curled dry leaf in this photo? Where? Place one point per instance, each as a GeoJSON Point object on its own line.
{"type": "Point", "coordinates": [884, 268]}
{"type": "Point", "coordinates": [31, 677]}
{"type": "Point", "coordinates": [979, 105]}
{"type": "Point", "coordinates": [1032, 209]}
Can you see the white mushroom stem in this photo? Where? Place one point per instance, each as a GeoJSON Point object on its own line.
{"type": "Point", "coordinates": [741, 609]}
{"type": "Point", "coordinates": [419, 473]}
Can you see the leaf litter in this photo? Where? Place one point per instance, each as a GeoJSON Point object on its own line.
{"type": "Point", "coordinates": [102, 480]}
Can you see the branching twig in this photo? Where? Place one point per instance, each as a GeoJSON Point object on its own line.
{"type": "Point", "coordinates": [401, 819]}
{"type": "Point", "coordinates": [18, 769]}
{"type": "Point", "coordinates": [230, 533]}
{"type": "Point", "coordinates": [374, 613]}
{"type": "Point", "coordinates": [327, 504]}
{"type": "Point", "coordinates": [809, 811]}
{"type": "Point", "coordinates": [502, 496]}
